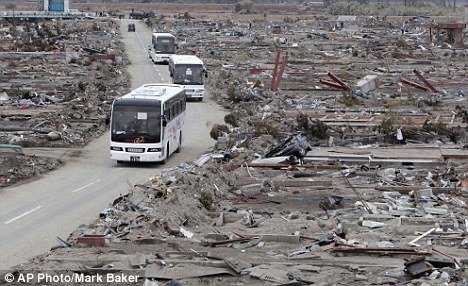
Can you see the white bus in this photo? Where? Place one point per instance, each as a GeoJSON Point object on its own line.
{"type": "Point", "coordinates": [146, 124]}
{"type": "Point", "coordinates": [162, 46]}
{"type": "Point", "coordinates": [188, 71]}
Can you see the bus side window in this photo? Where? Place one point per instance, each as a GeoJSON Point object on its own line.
{"type": "Point", "coordinates": [167, 114]}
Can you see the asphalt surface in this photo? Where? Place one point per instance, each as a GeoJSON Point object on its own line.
{"type": "Point", "coordinates": [34, 213]}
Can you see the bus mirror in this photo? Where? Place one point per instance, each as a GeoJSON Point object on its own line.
{"type": "Point", "coordinates": [206, 74]}
{"type": "Point", "coordinates": [164, 122]}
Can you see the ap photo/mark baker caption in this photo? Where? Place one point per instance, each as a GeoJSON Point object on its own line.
{"type": "Point", "coordinates": [72, 278]}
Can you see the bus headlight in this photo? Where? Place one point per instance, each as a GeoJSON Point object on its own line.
{"type": "Point", "coordinates": [114, 148]}
{"type": "Point", "coordinates": [154, 149]}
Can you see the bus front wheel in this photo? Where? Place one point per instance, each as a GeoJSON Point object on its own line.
{"type": "Point", "coordinates": [180, 143]}
{"type": "Point", "coordinates": [167, 154]}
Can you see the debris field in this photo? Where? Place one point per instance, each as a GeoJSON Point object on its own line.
{"type": "Point", "coordinates": [58, 80]}
{"type": "Point", "coordinates": [342, 161]}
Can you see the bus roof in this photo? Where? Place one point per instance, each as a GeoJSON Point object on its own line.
{"type": "Point", "coordinates": [161, 92]}
{"type": "Point", "coordinates": [163, 34]}
{"type": "Point", "coordinates": [185, 59]}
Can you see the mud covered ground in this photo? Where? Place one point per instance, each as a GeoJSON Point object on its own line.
{"type": "Point", "coordinates": [16, 167]}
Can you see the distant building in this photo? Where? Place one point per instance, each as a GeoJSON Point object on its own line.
{"type": "Point", "coordinates": [61, 6]}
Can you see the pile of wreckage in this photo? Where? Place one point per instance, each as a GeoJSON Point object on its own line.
{"type": "Point", "coordinates": [249, 217]}
{"type": "Point", "coordinates": [349, 83]}
{"type": "Point", "coordinates": [58, 81]}
{"type": "Point", "coordinates": [16, 166]}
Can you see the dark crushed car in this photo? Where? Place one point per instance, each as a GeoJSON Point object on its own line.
{"type": "Point", "coordinates": [296, 145]}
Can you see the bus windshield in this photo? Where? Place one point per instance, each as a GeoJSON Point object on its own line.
{"type": "Point", "coordinates": [188, 74]}
{"type": "Point", "coordinates": [165, 45]}
{"type": "Point", "coordinates": [137, 124]}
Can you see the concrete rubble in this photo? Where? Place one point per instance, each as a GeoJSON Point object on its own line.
{"type": "Point", "coordinates": [58, 80]}
{"type": "Point", "coordinates": [379, 197]}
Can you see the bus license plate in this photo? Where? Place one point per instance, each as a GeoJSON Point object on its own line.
{"type": "Point", "coordinates": [135, 150]}
{"type": "Point", "coordinates": [134, 158]}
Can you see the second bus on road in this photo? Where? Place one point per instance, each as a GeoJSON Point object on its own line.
{"type": "Point", "coordinates": [190, 72]}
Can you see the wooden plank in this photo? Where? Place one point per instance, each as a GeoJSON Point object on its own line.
{"type": "Point", "coordinates": [454, 153]}
{"type": "Point", "coordinates": [408, 189]}
{"type": "Point", "coordinates": [283, 183]}
{"type": "Point", "coordinates": [287, 166]}
{"type": "Point", "coordinates": [380, 250]}
{"type": "Point", "coordinates": [15, 148]}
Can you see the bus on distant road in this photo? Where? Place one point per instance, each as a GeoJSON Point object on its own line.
{"type": "Point", "coordinates": [146, 124]}
{"type": "Point", "coordinates": [189, 71]}
{"type": "Point", "coordinates": [162, 46]}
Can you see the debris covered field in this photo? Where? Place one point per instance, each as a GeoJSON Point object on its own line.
{"type": "Point", "coordinates": [342, 159]}
{"type": "Point", "coordinates": [58, 80]}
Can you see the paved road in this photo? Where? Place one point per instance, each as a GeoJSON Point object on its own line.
{"type": "Point", "coordinates": [34, 213]}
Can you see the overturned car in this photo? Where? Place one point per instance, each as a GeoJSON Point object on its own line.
{"type": "Point", "coordinates": [296, 146]}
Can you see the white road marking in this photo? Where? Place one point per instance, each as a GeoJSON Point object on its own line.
{"type": "Point", "coordinates": [24, 214]}
{"type": "Point", "coordinates": [160, 74]}
{"type": "Point", "coordinates": [141, 41]}
{"type": "Point", "coordinates": [84, 187]}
